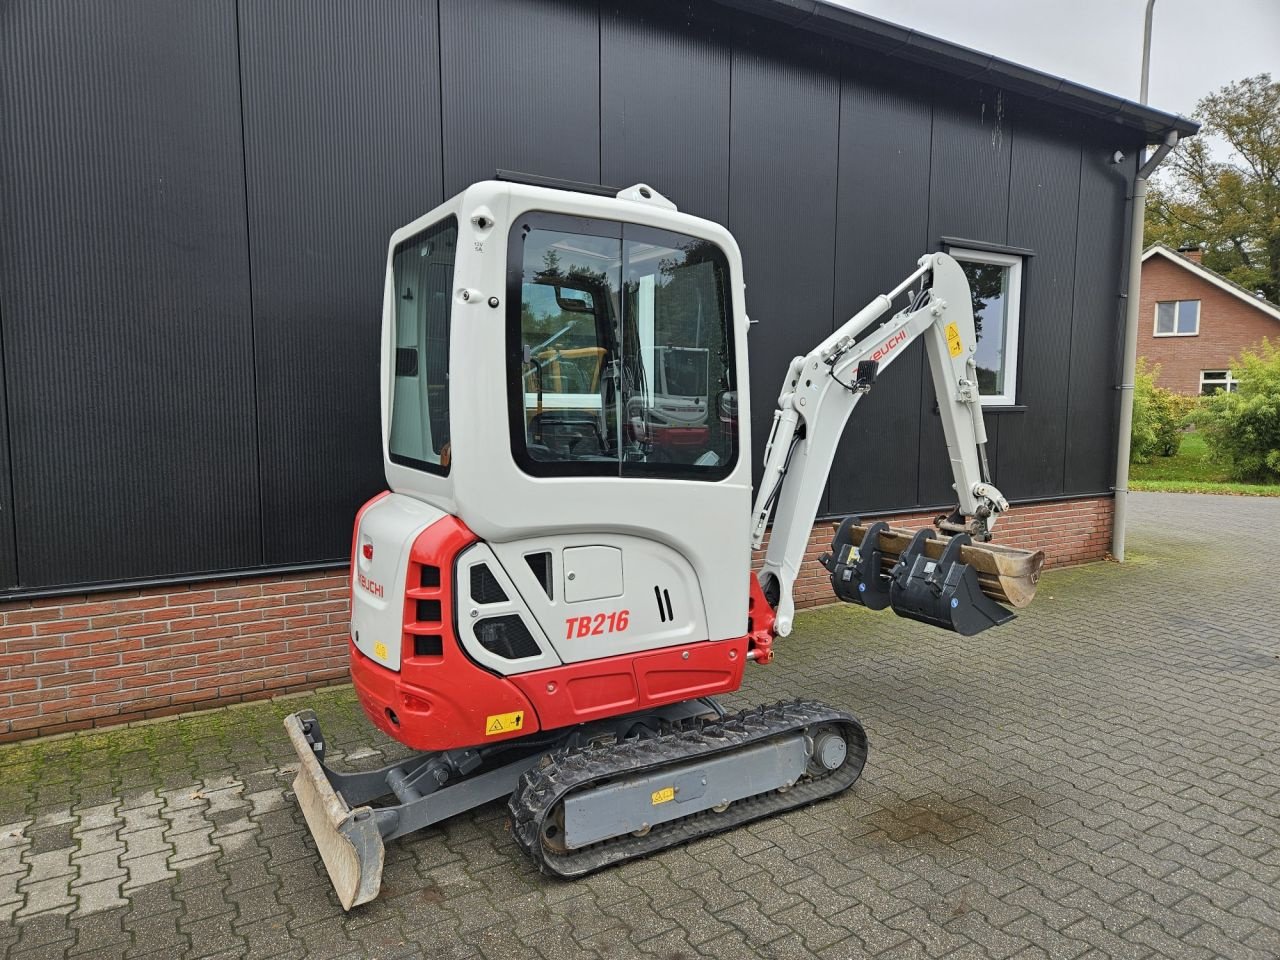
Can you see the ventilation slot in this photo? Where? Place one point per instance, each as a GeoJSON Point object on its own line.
{"type": "Point", "coordinates": [540, 564]}
{"type": "Point", "coordinates": [667, 597]}
{"type": "Point", "coordinates": [484, 586]}
{"type": "Point", "coordinates": [662, 611]}
{"type": "Point", "coordinates": [506, 637]}
{"type": "Point", "coordinates": [428, 611]}
{"type": "Point", "coordinates": [428, 646]}
{"type": "Point", "coordinates": [429, 577]}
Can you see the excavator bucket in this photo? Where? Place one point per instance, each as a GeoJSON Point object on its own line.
{"type": "Point", "coordinates": [949, 582]}
{"type": "Point", "coordinates": [348, 840]}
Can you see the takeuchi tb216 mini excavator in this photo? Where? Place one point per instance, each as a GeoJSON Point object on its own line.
{"type": "Point", "coordinates": [559, 581]}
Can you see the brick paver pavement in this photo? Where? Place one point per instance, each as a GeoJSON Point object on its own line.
{"type": "Point", "coordinates": [1098, 779]}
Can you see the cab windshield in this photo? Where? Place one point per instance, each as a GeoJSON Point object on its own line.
{"type": "Point", "coordinates": [621, 351]}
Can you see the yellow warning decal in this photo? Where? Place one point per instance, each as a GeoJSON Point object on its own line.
{"type": "Point", "coordinates": [380, 650]}
{"type": "Point", "coordinates": [663, 795]}
{"type": "Point", "coordinates": [503, 723]}
{"type": "Point", "coordinates": [953, 340]}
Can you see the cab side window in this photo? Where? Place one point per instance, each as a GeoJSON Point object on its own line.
{"type": "Point", "coordinates": [422, 274]}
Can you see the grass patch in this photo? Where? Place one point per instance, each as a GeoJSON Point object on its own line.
{"type": "Point", "coordinates": [1190, 471]}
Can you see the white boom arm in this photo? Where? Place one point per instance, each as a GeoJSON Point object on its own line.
{"type": "Point", "coordinates": [820, 392]}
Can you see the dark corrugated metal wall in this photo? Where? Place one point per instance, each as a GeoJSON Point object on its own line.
{"type": "Point", "coordinates": [197, 201]}
{"type": "Point", "coordinates": [125, 291]}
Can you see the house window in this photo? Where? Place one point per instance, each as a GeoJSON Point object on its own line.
{"type": "Point", "coordinates": [1178, 318]}
{"type": "Point", "coordinates": [1215, 381]}
{"type": "Point", "coordinates": [995, 282]}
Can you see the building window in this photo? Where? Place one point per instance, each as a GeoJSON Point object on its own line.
{"type": "Point", "coordinates": [995, 282]}
{"type": "Point", "coordinates": [1215, 381]}
{"type": "Point", "coordinates": [1178, 318]}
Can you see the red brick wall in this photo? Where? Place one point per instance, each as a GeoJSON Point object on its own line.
{"type": "Point", "coordinates": [67, 663]}
{"type": "Point", "coordinates": [1227, 325]}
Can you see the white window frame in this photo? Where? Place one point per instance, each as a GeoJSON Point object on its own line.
{"type": "Point", "coordinates": [1229, 384]}
{"type": "Point", "coordinates": [1155, 320]}
{"type": "Point", "coordinates": [1013, 318]}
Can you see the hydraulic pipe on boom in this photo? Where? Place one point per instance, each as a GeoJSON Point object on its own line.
{"type": "Point", "coordinates": [822, 388]}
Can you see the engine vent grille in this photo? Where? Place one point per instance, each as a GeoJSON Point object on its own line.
{"type": "Point", "coordinates": [428, 611]}
{"type": "Point", "coordinates": [429, 576]}
{"type": "Point", "coordinates": [663, 597]}
{"type": "Point", "coordinates": [540, 564]}
{"type": "Point", "coordinates": [485, 587]}
{"type": "Point", "coordinates": [429, 645]}
{"type": "Point", "coordinates": [506, 637]}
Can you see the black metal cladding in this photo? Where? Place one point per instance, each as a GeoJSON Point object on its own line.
{"type": "Point", "coordinates": [124, 291]}
{"type": "Point", "coordinates": [196, 202]}
{"type": "Point", "coordinates": [342, 146]}
{"type": "Point", "coordinates": [786, 123]}
{"type": "Point", "coordinates": [667, 127]}
{"type": "Point", "coordinates": [882, 228]}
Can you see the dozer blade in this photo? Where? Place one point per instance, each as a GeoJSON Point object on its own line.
{"type": "Point", "coordinates": [348, 840]}
{"type": "Point", "coordinates": [1005, 574]}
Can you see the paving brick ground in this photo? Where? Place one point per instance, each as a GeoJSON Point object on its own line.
{"type": "Point", "coordinates": [1098, 779]}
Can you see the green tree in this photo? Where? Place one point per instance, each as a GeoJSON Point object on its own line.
{"type": "Point", "coordinates": [1231, 206]}
{"type": "Point", "coordinates": [1242, 428]}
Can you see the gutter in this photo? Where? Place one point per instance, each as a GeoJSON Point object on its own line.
{"type": "Point", "coordinates": [1137, 222]}
{"type": "Point", "coordinates": [843, 25]}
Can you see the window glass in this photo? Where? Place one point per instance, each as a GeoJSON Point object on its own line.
{"type": "Point", "coordinates": [680, 359]}
{"type": "Point", "coordinates": [622, 351]}
{"type": "Point", "coordinates": [1215, 381]}
{"type": "Point", "coordinates": [995, 285]}
{"type": "Point", "coordinates": [422, 274]}
{"type": "Point", "coordinates": [568, 347]}
{"type": "Point", "coordinates": [1188, 316]}
{"type": "Point", "coordinates": [1178, 318]}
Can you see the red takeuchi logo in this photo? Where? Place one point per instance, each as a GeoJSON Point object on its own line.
{"type": "Point", "coordinates": [889, 345]}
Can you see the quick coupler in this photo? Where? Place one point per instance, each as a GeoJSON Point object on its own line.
{"type": "Point", "coordinates": [855, 569]}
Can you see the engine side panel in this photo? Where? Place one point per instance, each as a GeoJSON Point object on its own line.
{"type": "Point", "coordinates": [651, 600]}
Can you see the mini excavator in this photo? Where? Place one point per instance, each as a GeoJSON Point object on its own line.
{"type": "Point", "coordinates": [558, 582]}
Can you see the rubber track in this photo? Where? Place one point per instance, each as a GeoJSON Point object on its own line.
{"type": "Point", "coordinates": [542, 789]}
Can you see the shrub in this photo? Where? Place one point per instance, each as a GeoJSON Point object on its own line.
{"type": "Point", "coordinates": [1159, 416]}
{"type": "Point", "coordinates": [1242, 429]}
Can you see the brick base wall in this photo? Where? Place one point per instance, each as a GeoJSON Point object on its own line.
{"type": "Point", "coordinates": [68, 663]}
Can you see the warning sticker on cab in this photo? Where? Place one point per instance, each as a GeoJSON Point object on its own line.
{"type": "Point", "coordinates": [503, 723]}
{"type": "Point", "coordinates": [954, 343]}
{"type": "Point", "coordinates": [380, 650]}
{"type": "Point", "coordinates": [663, 795]}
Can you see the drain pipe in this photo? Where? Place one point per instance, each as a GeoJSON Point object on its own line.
{"type": "Point", "coordinates": [1130, 362]}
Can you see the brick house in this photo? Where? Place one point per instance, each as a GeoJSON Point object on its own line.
{"type": "Point", "coordinates": [1195, 320]}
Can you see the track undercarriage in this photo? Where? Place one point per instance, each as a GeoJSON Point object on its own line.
{"type": "Point", "coordinates": [589, 797]}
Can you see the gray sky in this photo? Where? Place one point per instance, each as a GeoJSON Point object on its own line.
{"type": "Point", "coordinates": [1197, 46]}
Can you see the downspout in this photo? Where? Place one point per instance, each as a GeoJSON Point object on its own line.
{"type": "Point", "coordinates": [1130, 361]}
